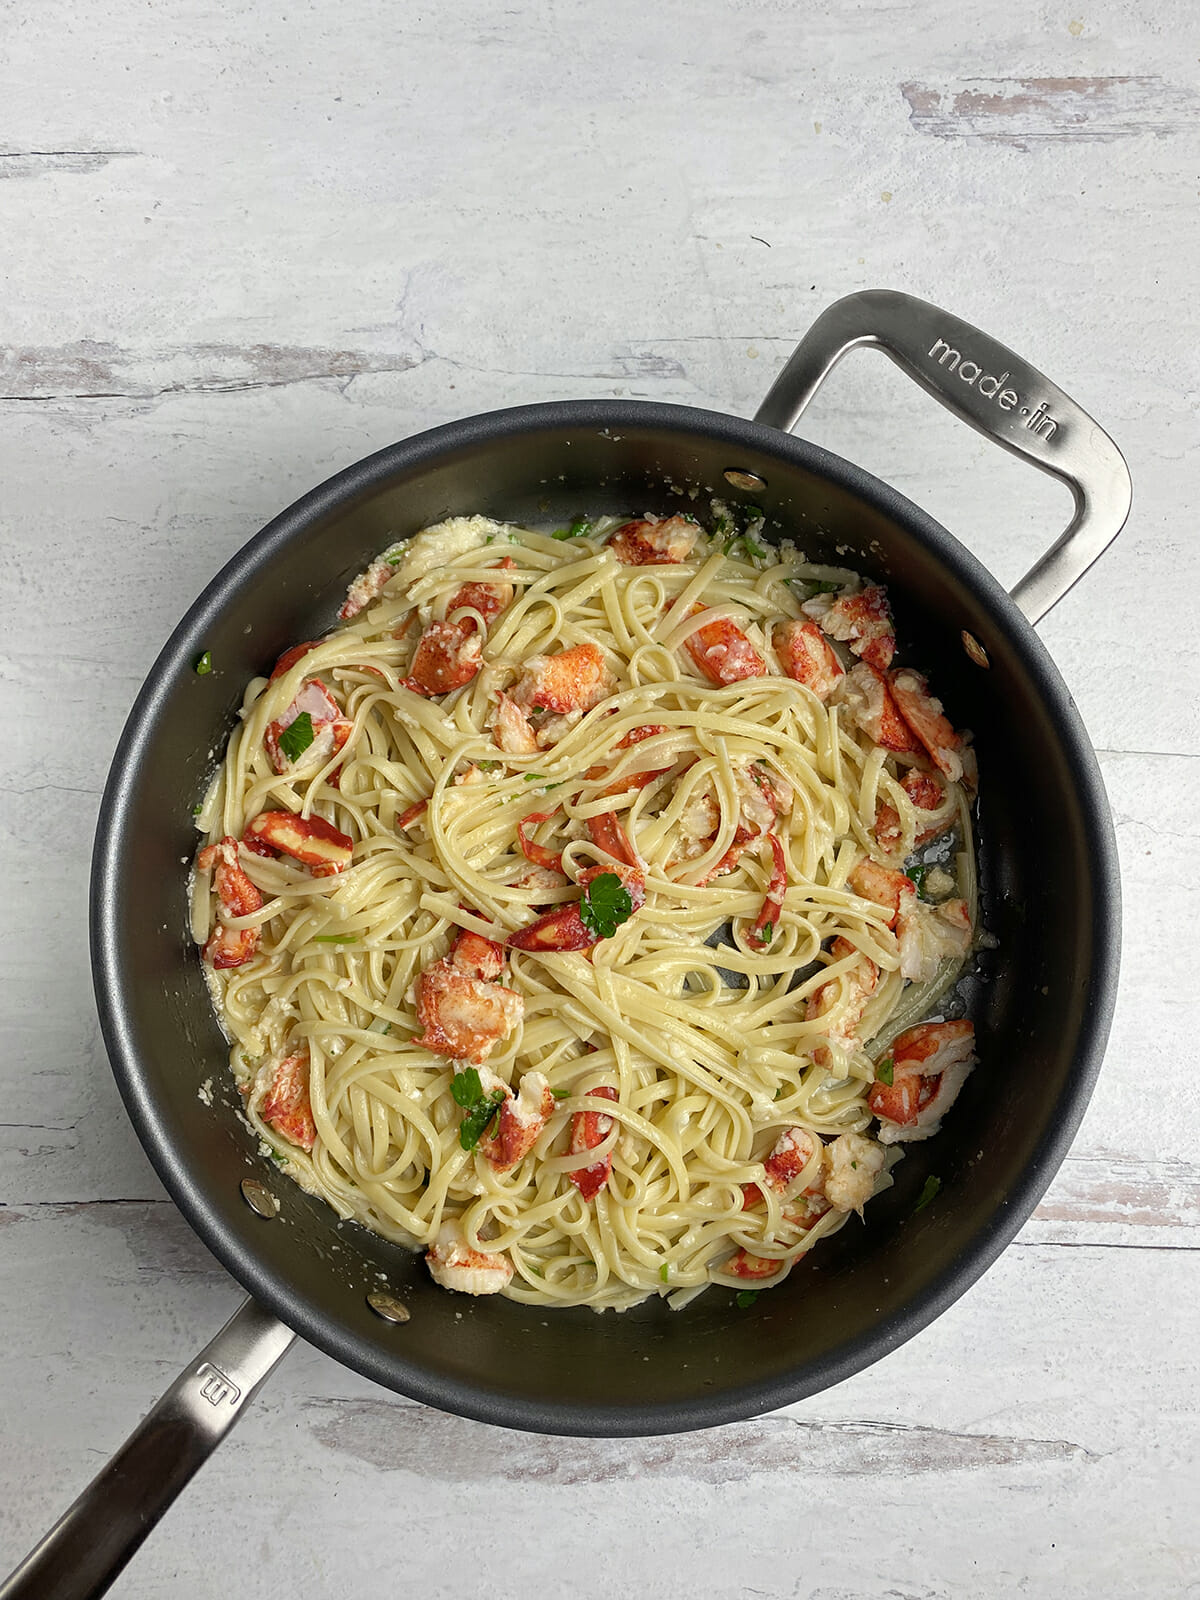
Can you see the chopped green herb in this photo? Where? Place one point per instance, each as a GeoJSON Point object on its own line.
{"type": "Point", "coordinates": [749, 544]}
{"type": "Point", "coordinates": [745, 1298]}
{"type": "Point", "coordinates": [778, 1095]}
{"type": "Point", "coordinates": [918, 875]}
{"type": "Point", "coordinates": [480, 1108]}
{"type": "Point", "coordinates": [808, 587]}
{"type": "Point", "coordinates": [196, 810]}
{"type": "Point", "coordinates": [535, 777]}
{"type": "Point", "coordinates": [394, 557]}
{"type": "Point", "coordinates": [466, 1087]}
{"type": "Point", "coordinates": [539, 708]}
{"type": "Point", "coordinates": [928, 1193]}
{"type": "Point", "coordinates": [854, 1164]}
{"type": "Point", "coordinates": [477, 1121]}
{"type": "Point", "coordinates": [297, 736]}
{"type": "Point", "coordinates": [561, 1094]}
{"type": "Point", "coordinates": [606, 904]}
{"type": "Point", "coordinates": [579, 529]}
{"type": "Point", "coordinates": [664, 1271]}
{"type": "Point", "coordinates": [203, 664]}
{"type": "Point", "coordinates": [768, 932]}
{"type": "Point", "coordinates": [487, 766]}
{"type": "Point", "coordinates": [885, 1072]}
{"type": "Point", "coordinates": [335, 938]}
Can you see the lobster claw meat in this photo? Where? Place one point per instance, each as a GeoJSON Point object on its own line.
{"type": "Point", "coordinates": [317, 843]}
{"type": "Point", "coordinates": [564, 928]}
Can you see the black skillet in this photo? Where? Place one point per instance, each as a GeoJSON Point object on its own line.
{"type": "Point", "coordinates": [1051, 898]}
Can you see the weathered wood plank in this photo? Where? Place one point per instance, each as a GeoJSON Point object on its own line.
{"type": "Point", "coordinates": [1028, 111]}
{"type": "Point", "coordinates": [902, 1460]}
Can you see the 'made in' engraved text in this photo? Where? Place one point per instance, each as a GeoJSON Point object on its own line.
{"type": "Point", "coordinates": [215, 1386]}
{"type": "Point", "coordinates": [1036, 418]}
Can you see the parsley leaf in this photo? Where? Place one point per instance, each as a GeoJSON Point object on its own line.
{"type": "Point", "coordinates": [202, 665]}
{"type": "Point", "coordinates": [475, 1124]}
{"type": "Point", "coordinates": [297, 736]}
{"type": "Point", "coordinates": [480, 1108]}
{"type": "Point", "coordinates": [745, 1298]}
{"type": "Point", "coordinates": [918, 875]}
{"type": "Point", "coordinates": [768, 932]}
{"type": "Point", "coordinates": [606, 904]}
{"type": "Point", "coordinates": [928, 1193]}
{"type": "Point", "coordinates": [466, 1087]}
{"type": "Point", "coordinates": [885, 1072]}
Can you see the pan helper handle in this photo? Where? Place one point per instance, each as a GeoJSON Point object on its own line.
{"type": "Point", "coordinates": [83, 1553]}
{"type": "Point", "coordinates": [999, 394]}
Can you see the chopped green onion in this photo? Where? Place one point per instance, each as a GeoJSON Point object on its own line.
{"type": "Point", "coordinates": [203, 664]}
{"type": "Point", "coordinates": [885, 1072]}
{"type": "Point", "coordinates": [335, 938]}
{"type": "Point", "coordinates": [745, 1298]}
{"type": "Point", "coordinates": [487, 766]}
{"type": "Point", "coordinates": [918, 874]}
{"type": "Point", "coordinates": [928, 1193]}
{"type": "Point", "coordinates": [561, 1094]}
{"type": "Point", "coordinates": [196, 810]}
{"type": "Point", "coordinates": [535, 777]}
{"type": "Point", "coordinates": [664, 1271]}
{"type": "Point", "coordinates": [778, 1095]}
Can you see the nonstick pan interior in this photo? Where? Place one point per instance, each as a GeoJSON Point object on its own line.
{"type": "Point", "coordinates": [1042, 1005]}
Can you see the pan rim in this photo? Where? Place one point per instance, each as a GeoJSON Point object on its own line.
{"type": "Point", "coordinates": [737, 1401]}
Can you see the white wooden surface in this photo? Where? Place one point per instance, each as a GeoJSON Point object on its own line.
{"type": "Point", "coordinates": [243, 245]}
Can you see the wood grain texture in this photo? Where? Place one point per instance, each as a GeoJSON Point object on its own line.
{"type": "Point", "coordinates": [242, 247]}
{"type": "Point", "coordinates": [1025, 111]}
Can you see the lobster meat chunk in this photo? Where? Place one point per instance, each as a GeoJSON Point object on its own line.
{"type": "Point", "coordinates": [286, 1104]}
{"type": "Point", "coordinates": [589, 1129]}
{"type": "Point", "coordinates": [322, 848]}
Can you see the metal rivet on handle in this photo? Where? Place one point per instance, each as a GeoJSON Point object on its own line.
{"type": "Point", "coordinates": [259, 1198]}
{"type": "Point", "coordinates": [745, 480]}
{"type": "Point", "coordinates": [387, 1306]}
{"type": "Point", "coordinates": [974, 649]}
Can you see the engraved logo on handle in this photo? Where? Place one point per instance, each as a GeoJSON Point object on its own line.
{"type": "Point", "coordinates": [215, 1387]}
{"type": "Point", "coordinates": [995, 388]}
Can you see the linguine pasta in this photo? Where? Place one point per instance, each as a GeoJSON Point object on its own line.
{"type": "Point", "coordinates": [714, 1093]}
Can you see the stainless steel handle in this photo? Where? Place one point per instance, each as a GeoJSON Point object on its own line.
{"type": "Point", "coordinates": [89, 1545]}
{"type": "Point", "coordinates": [999, 394]}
